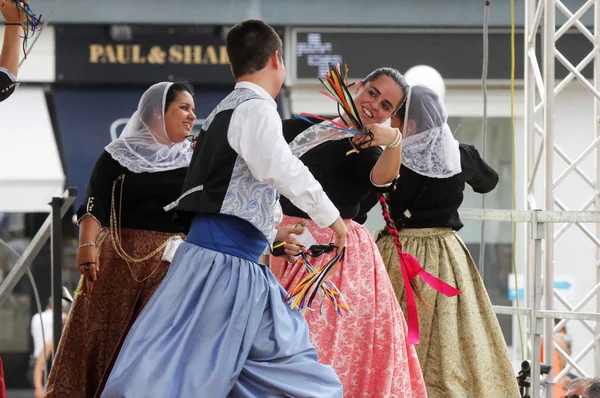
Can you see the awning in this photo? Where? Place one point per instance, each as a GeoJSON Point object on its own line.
{"type": "Point", "coordinates": [30, 168]}
{"type": "Point", "coordinates": [88, 119]}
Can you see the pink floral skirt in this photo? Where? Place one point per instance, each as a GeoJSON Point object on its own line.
{"type": "Point", "coordinates": [367, 346]}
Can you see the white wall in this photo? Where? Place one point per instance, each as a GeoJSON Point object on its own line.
{"type": "Point", "coordinates": [30, 169]}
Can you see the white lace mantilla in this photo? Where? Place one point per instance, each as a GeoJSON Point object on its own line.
{"type": "Point", "coordinates": [428, 147]}
{"type": "Point", "coordinates": [314, 136]}
{"type": "Point", "coordinates": [432, 154]}
{"type": "Point", "coordinates": [144, 145]}
{"type": "Point", "coordinates": [122, 154]}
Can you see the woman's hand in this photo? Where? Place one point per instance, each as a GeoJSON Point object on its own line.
{"type": "Point", "coordinates": [87, 253]}
{"type": "Point", "coordinates": [340, 230]}
{"type": "Point", "coordinates": [88, 262]}
{"type": "Point", "coordinates": [11, 12]}
{"type": "Point", "coordinates": [382, 135]}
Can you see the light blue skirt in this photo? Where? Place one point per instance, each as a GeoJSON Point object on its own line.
{"type": "Point", "coordinates": [218, 327]}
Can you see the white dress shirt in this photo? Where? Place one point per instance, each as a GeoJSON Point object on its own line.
{"type": "Point", "coordinates": [36, 330]}
{"type": "Point", "coordinates": [256, 135]}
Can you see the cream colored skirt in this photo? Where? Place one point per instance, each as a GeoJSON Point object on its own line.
{"type": "Point", "coordinates": [462, 351]}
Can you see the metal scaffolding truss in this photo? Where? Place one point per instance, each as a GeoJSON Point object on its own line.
{"type": "Point", "coordinates": [535, 313]}
{"type": "Point", "coordinates": [541, 87]}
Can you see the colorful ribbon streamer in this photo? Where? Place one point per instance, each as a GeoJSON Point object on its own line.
{"type": "Point", "coordinates": [337, 89]}
{"type": "Point", "coordinates": [85, 287]}
{"type": "Point", "coordinates": [31, 25]}
{"type": "Point", "coordinates": [303, 295]}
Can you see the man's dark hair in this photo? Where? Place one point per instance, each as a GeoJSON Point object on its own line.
{"type": "Point", "coordinates": [250, 44]}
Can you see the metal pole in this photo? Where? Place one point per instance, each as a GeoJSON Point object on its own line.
{"type": "Point", "coordinates": [597, 204]}
{"type": "Point", "coordinates": [548, 56]}
{"type": "Point", "coordinates": [57, 260]}
{"type": "Point", "coordinates": [527, 216]}
{"type": "Point", "coordinates": [529, 156]}
{"type": "Point", "coordinates": [535, 284]}
{"type": "Point", "coordinates": [486, 18]}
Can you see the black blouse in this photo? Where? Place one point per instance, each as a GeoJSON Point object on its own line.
{"type": "Point", "coordinates": [144, 196]}
{"type": "Point", "coordinates": [346, 179]}
{"type": "Point", "coordinates": [434, 202]}
{"type": "Point", "coordinates": [7, 85]}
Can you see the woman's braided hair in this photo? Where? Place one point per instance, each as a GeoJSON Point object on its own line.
{"type": "Point", "coordinates": [392, 230]}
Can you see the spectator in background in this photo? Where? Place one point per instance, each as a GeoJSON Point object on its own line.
{"type": "Point", "coordinates": [593, 390]}
{"type": "Point", "coordinates": [38, 374]}
{"type": "Point", "coordinates": [41, 331]}
{"type": "Point", "coordinates": [562, 340]}
{"type": "Point", "coordinates": [584, 387]}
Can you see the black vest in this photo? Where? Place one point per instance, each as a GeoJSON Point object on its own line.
{"type": "Point", "coordinates": [218, 181]}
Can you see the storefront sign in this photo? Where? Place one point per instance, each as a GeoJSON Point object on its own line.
{"type": "Point", "coordinates": [88, 54]}
{"type": "Point", "coordinates": [124, 54]}
{"type": "Point", "coordinates": [456, 54]}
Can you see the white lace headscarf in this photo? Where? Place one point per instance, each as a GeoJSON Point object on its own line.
{"type": "Point", "coordinates": [144, 146]}
{"type": "Point", "coordinates": [428, 147]}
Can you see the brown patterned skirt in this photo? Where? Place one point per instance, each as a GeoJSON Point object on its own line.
{"type": "Point", "coordinates": [97, 324]}
{"type": "Point", "coordinates": [462, 351]}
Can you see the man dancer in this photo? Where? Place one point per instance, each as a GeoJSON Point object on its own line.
{"type": "Point", "coordinates": [217, 326]}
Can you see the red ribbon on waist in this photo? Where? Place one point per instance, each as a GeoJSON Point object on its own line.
{"type": "Point", "coordinates": [410, 270]}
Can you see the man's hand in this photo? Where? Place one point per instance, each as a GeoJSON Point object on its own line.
{"type": "Point", "coordinates": [292, 245]}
